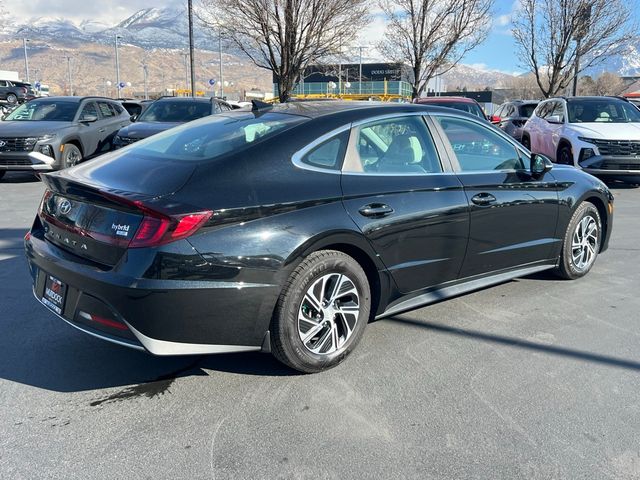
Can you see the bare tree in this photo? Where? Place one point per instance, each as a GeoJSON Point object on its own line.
{"type": "Point", "coordinates": [524, 87]}
{"type": "Point", "coordinates": [285, 36]}
{"type": "Point", "coordinates": [432, 36]}
{"type": "Point", "coordinates": [609, 84]}
{"type": "Point", "coordinates": [561, 38]}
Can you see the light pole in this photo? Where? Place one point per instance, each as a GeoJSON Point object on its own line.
{"type": "Point", "coordinates": [117, 37]}
{"type": "Point", "coordinates": [186, 71]}
{"type": "Point", "coordinates": [220, 55]}
{"type": "Point", "coordinates": [26, 57]}
{"type": "Point", "coordinates": [361, 48]}
{"type": "Point", "coordinates": [145, 72]}
{"type": "Point", "coordinates": [584, 14]}
{"type": "Point", "coordinates": [191, 50]}
{"type": "Point", "coordinates": [69, 75]}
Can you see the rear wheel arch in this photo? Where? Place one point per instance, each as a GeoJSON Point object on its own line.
{"type": "Point", "coordinates": [358, 248]}
{"type": "Point", "coordinates": [602, 211]}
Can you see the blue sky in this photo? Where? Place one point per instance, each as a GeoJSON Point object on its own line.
{"type": "Point", "coordinates": [499, 51]}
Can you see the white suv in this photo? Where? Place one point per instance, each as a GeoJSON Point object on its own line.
{"type": "Point", "coordinates": [601, 135]}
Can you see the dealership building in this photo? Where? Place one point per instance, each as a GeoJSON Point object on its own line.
{"type": "Point", "coordinates": [384, 81]}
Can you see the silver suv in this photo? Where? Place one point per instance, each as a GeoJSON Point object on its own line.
{"type": "Point", "coordinates": [52, 133]}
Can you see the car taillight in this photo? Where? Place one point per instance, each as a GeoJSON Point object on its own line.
{"type": "Point", "coordinates": [45, 198]}
{"type": "Point", "coordinates": [157, 228]}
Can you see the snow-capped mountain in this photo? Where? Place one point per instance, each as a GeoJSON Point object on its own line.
{"type": "Point", "coordinates": [627, 64]}
{"type": "Point", "coordinates": [148, 28]}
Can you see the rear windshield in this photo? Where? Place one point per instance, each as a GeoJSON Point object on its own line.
{"type": "Point", "coordinates": [464, 106]}
{"type": "Point", "coordinates": [45, 110]}
{"type": "Point", "coordinates": [175, 111]}
{"type": "Point", "coordinates": [214, 136]}
{"type": "Point", "coordinates": [603, 110]}
{"type": "Point", "coordinates": [527, 110]}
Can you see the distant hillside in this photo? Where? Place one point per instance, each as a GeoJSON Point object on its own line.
{"type": "Point", "coordinates": [93, 64]}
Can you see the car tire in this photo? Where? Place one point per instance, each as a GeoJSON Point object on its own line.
{"type": "Point", "coordinates": [12, 98]}
{"type": "Point", "coordinates": [581, 242]}
{"type": "Point", "coordinates": [71, 155]}
{"type": "Point", "coordinates": [321, 313]}
{"type": "Point", "coordinates": [565, 157]}
{"type": "Point", "coordinates": [526, 142]}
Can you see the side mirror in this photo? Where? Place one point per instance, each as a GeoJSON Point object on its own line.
{"type": "Point", "coordinates": [554, 119]}
{"type": "Point", "coordinates": [89, 119]}
{"type": "Point", "coordinates": [133, 117]}
{"type": "Point", "coordinates": [540, 165]}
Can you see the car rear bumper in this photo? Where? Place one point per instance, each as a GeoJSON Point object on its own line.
{"type": "Point", "coordinates": [162, 317]}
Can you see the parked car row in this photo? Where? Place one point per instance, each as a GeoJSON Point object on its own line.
{"type": "Point", "coordinates": [53, 133]}
{"type": "Point", "coordinates": [14, 92]}
{"type": "Point", "coordinates": [600, 135]}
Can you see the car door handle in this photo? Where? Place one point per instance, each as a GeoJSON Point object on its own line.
{"type": "Point", "coordinates": [376, 210]}
{"type": "Point", "coordinates": [483, 199]}
{"type": "Point", "coordinates": [102, 130]}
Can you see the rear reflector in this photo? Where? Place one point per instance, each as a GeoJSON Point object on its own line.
{"type": "Point", "coordinates": [104, 321]}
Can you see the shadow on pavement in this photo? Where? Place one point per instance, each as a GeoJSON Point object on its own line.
{"type": "Point", "coordinates": [519, 343]}
{"type": "Point", "coordinates": [39, 349]}
{"type": "Point", "coordinates": [19, 177]}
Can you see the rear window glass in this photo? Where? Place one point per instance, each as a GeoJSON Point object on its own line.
{"type": "Point", "coordinates": [527, 110]}
{"type": "Point", "coordinates": [175, 111]}
{"type": "Point", "coordinates": [214, 136]}
{"type": "Point", "coordinates": [471, 108]}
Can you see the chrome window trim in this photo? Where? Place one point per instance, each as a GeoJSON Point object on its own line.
{"type": "Point", "coordinates": [297, 157]}
{"type": "Point", "coordinates": [519, 148]}
{"type": "Point", "coordinates": [355, 129]}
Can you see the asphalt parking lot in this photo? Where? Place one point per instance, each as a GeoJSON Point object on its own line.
{"type": "Point", "coordinates": [535, 378]}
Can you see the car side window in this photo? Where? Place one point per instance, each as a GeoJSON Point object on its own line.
{"type": "Point", "coordinates": [401, 145]}
{"type": "Point", "coordinates": [105, 110]}
{"type": "Point", "coordinates": [544, 109]}
{"type": "Point", "coordinates": [89, 110]}
{"type": "Point", "coordinates": [558, 110]}
{"type": "Point", "coordinates": [216, 108]}
{"type": "Point", "coordinates": [118, 109]}
{"type": "Point", "coordinates": [478, 148]}
{"type": "Point", "coordinates": [498, 112]}
{"type": "Point", "coordinates": [328, 154]}
{"type": "Point", "coordinates": [3, 83]}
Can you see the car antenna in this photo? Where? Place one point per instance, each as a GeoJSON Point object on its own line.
{"type": "Point", "coordinates": [257, 105]}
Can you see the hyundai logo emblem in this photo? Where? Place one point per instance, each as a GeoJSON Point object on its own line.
{"type": "Point", "coordinates": [2, 143]}
{"type": "Point", "coordinates": [64, 206]}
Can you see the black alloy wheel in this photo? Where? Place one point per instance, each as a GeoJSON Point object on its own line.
{"type": "Point", "coordinates": [321, 313]}
{"type": "Point", "coordinates": [581, 242]}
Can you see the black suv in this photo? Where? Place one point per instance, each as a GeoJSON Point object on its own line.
{"type": "Point", "coordinates": [166, 113]}
{"type": "Point", "coordinates": [51, 133]}
{"type": "Point", "coordinates": [511, 116]}
{"type": "Point", "coordinates": [14, 92]}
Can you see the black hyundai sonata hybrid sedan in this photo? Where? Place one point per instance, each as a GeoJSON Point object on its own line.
{"type": "Point", "coordinates": [289, 227]}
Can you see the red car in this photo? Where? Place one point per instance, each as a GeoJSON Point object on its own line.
{"type": "Point", "coordinates": [465, 104]}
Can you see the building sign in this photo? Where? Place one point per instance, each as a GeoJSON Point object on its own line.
{"type": "Point", "coordinates": [350, 72]}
